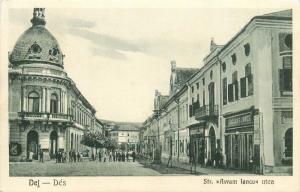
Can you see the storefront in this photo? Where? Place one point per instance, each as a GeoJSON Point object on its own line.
{"type": "Point", "coordinates": [239, 140]}
{"type": "Point", "coordinates": [197, 150]}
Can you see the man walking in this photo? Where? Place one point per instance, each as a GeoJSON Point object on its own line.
{"type": "Point", "coordinates": [133, 156]}
{"type": "Point", "coordinates": [41, 156]}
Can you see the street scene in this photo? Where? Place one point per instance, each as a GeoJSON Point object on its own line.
{"type": "Point", "coordinates": [159, 97]}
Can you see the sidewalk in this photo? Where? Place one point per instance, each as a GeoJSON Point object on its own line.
{"type": "Point", "coordinates": [209, 170]}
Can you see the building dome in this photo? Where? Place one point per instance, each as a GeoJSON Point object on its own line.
{"type": "Point", "coordinates": [37, 44]}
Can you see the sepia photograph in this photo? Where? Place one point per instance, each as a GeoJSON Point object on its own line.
{"type": "Point", "coordinates": [117, 94]}
{"type": "Point", "coordinates": [229, 113]}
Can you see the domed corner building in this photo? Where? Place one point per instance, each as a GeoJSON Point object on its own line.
{"type": "Point", "coordinates": [47, 112]}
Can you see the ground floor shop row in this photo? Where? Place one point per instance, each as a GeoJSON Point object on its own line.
{"type": "Point", "coordinates": [37, 137]}
{"type": "Point", "coordinates": [243, 143]}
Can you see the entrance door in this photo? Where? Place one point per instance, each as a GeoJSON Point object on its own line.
{"type": "Point", "coordinates": [211, 92]}
{"type": "Point", "coordinates": [212, 138]}
{"type": "Point", "coordinates": [53, 144]}
{"type": "Point", "coordinates": [33, 144]}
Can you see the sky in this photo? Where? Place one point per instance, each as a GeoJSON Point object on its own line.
{"type": "Point", "coordinates": [118, 57]}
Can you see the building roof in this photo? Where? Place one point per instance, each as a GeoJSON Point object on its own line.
{"type": "Point", "coordinates": [280, 15]}
{"type": "Point", "coordinates": [183, 74]}
{"type": "Point", "coordinates": [126, 127]}
{"type": "Point", "coordinates": [284, 13]}
{"type": "Point", "coordinates": [37, 44]}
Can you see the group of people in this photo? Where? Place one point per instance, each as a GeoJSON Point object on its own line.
{"type": "Point", "coordinates": [114, 156]}
{"type": "Point", "coordinates": [61, 157]}
{"type": "Point", "coordinates": [102, 156]}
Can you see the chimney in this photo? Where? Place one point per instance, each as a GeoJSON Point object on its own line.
{"type": "Point", "coordinates": [213, 45]}
{"type": "Point", "coordinates": [173, 65]}
{"type": "Point", "coordinates": [156, 92]}
{"type": "Point", "coordinates": [38, 17]}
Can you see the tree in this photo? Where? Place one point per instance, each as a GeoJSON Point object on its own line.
{"type": "Point", "coordinates": [110, 143]}
{"type": "Point", "coordinates": [93, 139]}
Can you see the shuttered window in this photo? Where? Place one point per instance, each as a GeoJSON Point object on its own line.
{"type": "Point", "coordinates": [224, 91]}
{"type": "Point", "coordinates": [230, 92]}
{"type": "Point", "coordinates": [243, 83]}
{"type": "Point", "coordinates": [250, 84]}
{"type": "Point", "coordinates": [191, 110]}
{"type": "Point", "coordinates": [286, 75]}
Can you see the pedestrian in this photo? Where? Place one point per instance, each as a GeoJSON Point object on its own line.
{"type": "Point", "coordinates": [127, 156]}
{"type": "Point", "coordinates": [78, 156]}
{"type": "Point", "coordinates": [123, 156]}
{"type": "Point", "coordinates": [100, 156]}
{"type": "Point", "coordinates": [133, 156]}
{"type": "Point", "coordinates": [30, 156]}
{"type": "Point", "coordinates": [110, 156]}
{"type": "Point", "coordinates": [41, 156]}
{"type": "Point", "coordinates": [104, 157]}
{"type": "Point", "coordinates": [118, 156]}
{"type": "Point", "coordinates": [64, 157]}
{"type": "Point", "coordinates": [74, 156]}
{"type": "Point", "coordinates": [70, 156]}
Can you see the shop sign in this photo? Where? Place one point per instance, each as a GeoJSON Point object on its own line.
{"type": "Point", "coordinates": [15, 149]}
{"type": "Point", "coordinates": [241, 120]}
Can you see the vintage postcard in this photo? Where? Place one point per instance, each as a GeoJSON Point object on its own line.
{"type": "Point", "coordinates": [141, 96]}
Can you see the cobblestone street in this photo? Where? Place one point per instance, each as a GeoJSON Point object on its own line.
{"type": "Point", "coordinates": [92, 168]}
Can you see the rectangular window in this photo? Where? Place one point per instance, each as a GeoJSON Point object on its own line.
{"type": "Point", "coordinates": [243, 83]}
{"type": "Point", "coordinates": [235, 85]}
{"type": "Point", "coordinates": [192, 89]}
{"type": "Point", "coordinates": [191, 110]}
{"type": "Point", "coordinates": [250, 85]}
{"type": "Point", "coordinates": [224, 91]}
{"type": "Point", "coordinates": [203, 98]}
{"type": "Point", "coordinates": [197, 85]}
{"type": "Point", "coordinates": [203, 81]}
{"type": "Point", "coordinates": [286, 75]}
{"type": "Point", "coordinates": [230, 92]}
{"type": "Point", "coordinates": [236, 90]}
{"type": "Point", "coordinates": [249, 77]}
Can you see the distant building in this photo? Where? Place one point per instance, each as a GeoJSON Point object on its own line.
{"type": "Point", "coordinates": [127, 134]}
{"type": "Point", "coordinates": [46, 109]}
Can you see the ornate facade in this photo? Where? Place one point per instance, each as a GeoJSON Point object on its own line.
{"type": "Point", "coordinates": [46, 110]}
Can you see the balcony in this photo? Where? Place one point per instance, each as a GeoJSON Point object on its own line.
{"type": "Point", "coordinates": [37, 116]}
{"type": "Point", "coordinates": [206, 111]}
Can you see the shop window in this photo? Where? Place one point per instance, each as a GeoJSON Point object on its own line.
{"type": "Point", "coordinates": [53, 104]}
{"type": "Point", "coordinates": [286, 75]}
{"type": "Point", "coordinates": [247, 49]}
{"type": "Point", "coordinates": [288, 143]}
{"type": "Point", "coordinates": [33, 102]}
{"type": "Point", "coordinates": [224, 91]}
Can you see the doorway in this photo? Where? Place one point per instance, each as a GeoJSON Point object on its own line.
{"type": "Point", "coordinates": [53, 144]}
{"type": "Point", "coordinates": [33, 144]}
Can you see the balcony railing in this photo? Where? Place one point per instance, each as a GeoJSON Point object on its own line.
{"type": "Point", "coordinates": [45, 116]}
{"type": "Point", "coordinates": [206, 111]}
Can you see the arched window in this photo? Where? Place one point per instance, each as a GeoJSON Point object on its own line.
{"type": "Point", "coordinates": [288, 143]}
{"type": "Point", "coordinates": [53, 103]}
{"type": "Point", "coordinates": [33, 102]}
